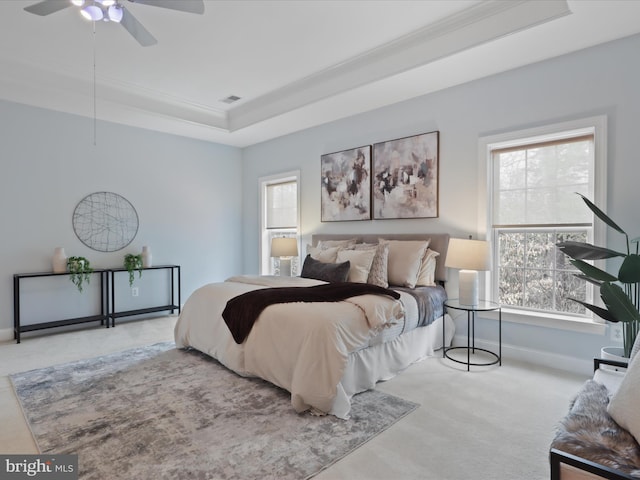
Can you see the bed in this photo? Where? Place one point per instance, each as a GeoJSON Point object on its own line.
{"type": "Point", "coordinates": [323, 353]}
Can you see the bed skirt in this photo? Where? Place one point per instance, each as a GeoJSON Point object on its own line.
{"type": "Point", "coordinates": [381, 362]}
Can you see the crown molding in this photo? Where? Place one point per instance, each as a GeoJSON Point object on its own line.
{"type": "Point", "coordinates": [482, 23]}
{"type": "Point", "coordinates": [70, 89]}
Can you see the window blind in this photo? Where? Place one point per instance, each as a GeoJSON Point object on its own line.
{"type": "Point", "coordinates": [281, 205]}
{"type": "Point", "coordinates": [535, 184]}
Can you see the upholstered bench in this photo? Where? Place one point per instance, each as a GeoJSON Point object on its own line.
{"type": "Point", "coordinates": [599, 436]}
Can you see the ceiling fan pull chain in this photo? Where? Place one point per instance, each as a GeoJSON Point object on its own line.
{"type": "Point", "coordinates": [94, 85]}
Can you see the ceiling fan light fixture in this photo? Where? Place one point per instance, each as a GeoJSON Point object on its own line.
{"type": "Point", "coordinates": [77, 3]}
{"type": "Point", "coordinates": [92, 12]}
{"type": "Point", "coordinates": [107, 3]}
{"type": "Point", "coordinates": [115, 13]}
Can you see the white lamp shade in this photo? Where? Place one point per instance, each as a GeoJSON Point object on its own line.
{"type": "Point", "coordinates": [284, 247]}
{"type": "Point", "coordinates": [468, 254]}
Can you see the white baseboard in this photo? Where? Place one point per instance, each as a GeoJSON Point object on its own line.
{"type": "Point", "coordinates": [6, 334]}
{"type": "Point", "coordinates": [582, 366]}
{"type": "Point", "coordinates": [523, 354]}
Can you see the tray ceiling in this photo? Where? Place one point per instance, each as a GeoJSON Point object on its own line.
{"type": "Point", "coordinates": [294, 64]}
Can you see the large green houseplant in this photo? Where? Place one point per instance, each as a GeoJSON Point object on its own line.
{"type": "Point", "coordinates": [620, 293]}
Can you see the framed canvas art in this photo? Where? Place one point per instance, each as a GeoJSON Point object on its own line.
{"type": "Point", "coordinates": [405, 177]}
{"type": "Point", "coordinates": [345, 189]}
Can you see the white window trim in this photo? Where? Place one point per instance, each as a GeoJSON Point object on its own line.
{"type": "Point", "coordinates": [485, 222]}
{"type": "Point", "coordinates": [550, 320]}
{"type": "Point", "coordinates": [292, 175]}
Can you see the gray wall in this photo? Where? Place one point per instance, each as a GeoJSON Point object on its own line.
{"type": "Point", "coordinates": [187, 194]}
{"type": "Point", "coordinates": [600, 80]}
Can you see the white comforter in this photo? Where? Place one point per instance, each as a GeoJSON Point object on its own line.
{"type": "Point", "coordinates": [302, 347]}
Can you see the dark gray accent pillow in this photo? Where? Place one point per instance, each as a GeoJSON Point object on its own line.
{"type": "Point", "coordinates": [327, 272]}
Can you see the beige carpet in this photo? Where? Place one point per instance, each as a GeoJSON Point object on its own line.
{"type": "Point", "coordinates": [488, 424]}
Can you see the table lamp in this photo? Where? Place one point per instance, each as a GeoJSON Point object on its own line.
{"type": "Point", "coordinates": [284, 248]}
{"type": "Point", "coordinates": [469, 256]}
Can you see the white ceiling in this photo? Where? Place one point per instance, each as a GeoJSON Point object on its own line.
{"type": "Point", "coordinates": [295, 64]}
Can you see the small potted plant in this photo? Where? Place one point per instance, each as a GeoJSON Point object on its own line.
{"type": "Point", "coordinates": [131, 263]}
{"type": "Point", "coordinates": [620, 292]}
{"type": "Point", "coordinates": [80, 270]}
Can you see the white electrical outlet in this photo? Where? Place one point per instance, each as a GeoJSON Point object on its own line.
{"type": "Point", "coordinates": [615, 331]}
{"type": "Point", "coordinates": [134, 291]}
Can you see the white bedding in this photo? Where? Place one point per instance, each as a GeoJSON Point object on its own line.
{"type": "Point", "coordinates": [301, 347]}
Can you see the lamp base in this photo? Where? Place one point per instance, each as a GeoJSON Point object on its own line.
{"type": "Point", "coordinates": [285, 266]}
{"type": "Point", "coordinates": [468, 287]}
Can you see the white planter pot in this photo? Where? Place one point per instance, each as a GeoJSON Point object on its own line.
{"type": "Point", "coordinates": [613, 353]}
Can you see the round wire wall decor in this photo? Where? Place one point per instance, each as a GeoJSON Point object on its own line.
{"type": "Point", "coordinates": [105, 221]}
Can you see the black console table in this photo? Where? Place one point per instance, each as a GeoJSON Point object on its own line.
{"type": "Point", "coordinates": [101, 317]}
{"type": "Point", "coordinates": [171, 306]}
{"type": "Point", "coordinates": [107, 300]}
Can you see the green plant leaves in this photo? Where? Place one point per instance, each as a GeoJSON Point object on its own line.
{"type": "Point", "coordinates": [601, 312]}
{"type": "Point", "coordinates": [618, 303]}
{"type": "Point", "coordinates": [601, 215]}
{"type": "Point", "coordinates": [586, 251]}
{"type": "Point", "coordinates": [621, 305]}
{"type": "Point", "coordinates": [630, 269]}
{"type": "Point", "coordinates": [133, 262]}
{"type": "Point", "coordinates": [594, 273]}
{"type": "Point", "coordinates": [80, 271]}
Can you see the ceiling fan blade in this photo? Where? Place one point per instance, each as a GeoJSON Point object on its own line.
{"type": "Point", "coordinates": [189, 6]}
{"type": "Point", "coordinates": [48, 7]}
{"type": "Point", "coordinates": [135, 28]}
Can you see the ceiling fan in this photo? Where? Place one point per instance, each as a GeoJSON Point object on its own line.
{"type": "Point", "coordinates": [115, 11]}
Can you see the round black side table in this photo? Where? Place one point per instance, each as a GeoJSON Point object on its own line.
{"type": "Point", "coordinates": [482, 306]}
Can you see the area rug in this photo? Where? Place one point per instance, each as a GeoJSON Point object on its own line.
{"type": "Point", "coordinates": [160, 412]}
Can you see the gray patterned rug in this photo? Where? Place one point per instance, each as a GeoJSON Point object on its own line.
{"type": "Point", "coordinates": [159, 412]}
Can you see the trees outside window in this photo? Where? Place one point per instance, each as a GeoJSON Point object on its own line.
{"type": "Point", "coordinates": [533, 206]}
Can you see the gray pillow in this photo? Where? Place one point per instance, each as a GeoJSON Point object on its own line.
{"type": "Point", "coordinates": [327, 272]}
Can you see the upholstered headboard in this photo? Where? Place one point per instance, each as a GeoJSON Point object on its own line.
{"type": "Point", "coordinates": [439, 242]}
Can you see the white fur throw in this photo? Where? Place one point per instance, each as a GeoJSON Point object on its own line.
{"type": "Point", "coordinates": [590, 433]}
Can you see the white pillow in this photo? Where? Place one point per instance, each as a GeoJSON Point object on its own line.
{"type": "Point", "coordinates": [427, 273]}
{"type": "Point", "coordinates": [327, 255]}
{"type": "Point", "coordinates": [361, 261]}
{"type": "Point", "coordinates": [378, 272]}
{"type": "Point", "coordinates": [623, 406]}
{"type": "Point", "coordinates": [405, 259]}
{"type": "Point", "coordinates": [324, 244]}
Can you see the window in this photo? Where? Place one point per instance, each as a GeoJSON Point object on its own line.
{"type": "Point", "coordinates": [280, 217]}
{"type": "Point", "coordinates": [533, 205]}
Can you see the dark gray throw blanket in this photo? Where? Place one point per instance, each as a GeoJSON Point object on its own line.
{"type": "Point", "coordinates": [242, 311]}
{"type": "Point", "coordinates": [430, 301]}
